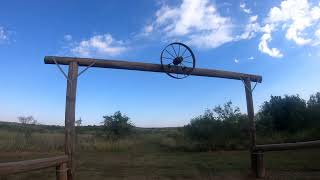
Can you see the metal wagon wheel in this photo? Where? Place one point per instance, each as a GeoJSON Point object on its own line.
{"type": "Point", "coordinates": [177, 60]}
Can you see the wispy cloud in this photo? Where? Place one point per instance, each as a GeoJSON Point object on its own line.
{"type": "Point", "coordinates": [244, 8]}
{"type": "Point", "coordinates": [263, 46]}
{"type": "Point", "coordinates": [97, 46]}
{"type": "Point", "coordinates": [3, 34]}
{"type": "Point", "coordinates": [250, 29]}
{"type": "Point", "coordinates": [67, 37]}
{"type": "Point", "coordinates": [199, 23]}
{"type": "Point", "coordinates": [195, 21]}
{"type": "Point", "coordinates": [297, 18]}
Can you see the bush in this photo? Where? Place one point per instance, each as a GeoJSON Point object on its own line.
{"type": "Point", "coordinates": [27, 126]}
{"type": "Point", "coordinates": [286, 113]}
{"type": "Point", "coordinates": [117, 126]}
{"type": "Point", "coordinates": [222, 127]}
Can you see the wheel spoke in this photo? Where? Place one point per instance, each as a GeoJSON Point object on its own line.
{"type": "Point", "coordinates": [167, 58]}
{"type": "Point", "coordinates": [187, 57]}
{"type": "Point", "coordinates": [166, 61]}
{"type": "Point", "coordinates": [170, 53]}
{"type": "Point", "coordinates": [175, 60]}
{"type": "Point", "coordinates": [184, 51]}
{"type": "Point", "coordinates": [174, 50]}
{"type": "Point", "coordinates": [184, 65]}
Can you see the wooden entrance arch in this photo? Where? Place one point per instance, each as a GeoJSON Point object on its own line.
{"type": "Point", "coordinates": [256, 151]}
{"type": "Point", "coordinates": [72, 76]}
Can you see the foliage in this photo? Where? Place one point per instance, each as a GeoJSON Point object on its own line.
{"type": "Point", "coordinates": [117, 125]}
{"type": "Point", "coordinates": [280, 119]}
{"type": "Point", "coordinates": [313, 110]}
{"type": "Point", "coordinates": [27, 126]}
{"type": "Point", "coordinates": [222, 127]}
{"type": "Point", "coordinates": [289, 114]}
{"type": "Point", "coordinates": [78, 122]}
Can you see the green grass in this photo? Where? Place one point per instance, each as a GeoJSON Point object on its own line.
{"type": "Point", "coordinates": [175, 165]}
{"type": "Point", "coordinates": [150, 154]}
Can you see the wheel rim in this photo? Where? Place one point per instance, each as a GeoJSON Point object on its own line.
{"type": "Point", "coordinates": [177, 57]}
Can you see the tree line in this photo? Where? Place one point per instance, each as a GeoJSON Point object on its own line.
{"type": "Point", "coordinates": [281, 118]}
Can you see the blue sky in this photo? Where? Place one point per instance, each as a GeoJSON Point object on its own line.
{"type": "Point", "coordinates": [276, 39]}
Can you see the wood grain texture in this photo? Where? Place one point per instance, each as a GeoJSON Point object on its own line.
{"type": "Point", "coordinates": [70, 117]}
{"type": "Point", "coordinates": [31, 165]}
{"type": "Point", "coordinates": [252, 126]}
{"type": "Point", "coordinates": [61, 172]}
{"type": "Point", "coordinates": [138, 66]}
{"type": "Point", "coordinates": [288, 146]}
{"type": "Point", "coordinates": [260, 172]}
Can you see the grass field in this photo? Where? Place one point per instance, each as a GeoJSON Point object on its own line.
{"type": "Point", "coordinates": [149, 156]}
{"type": "Point", "coordinates": [298, 164]}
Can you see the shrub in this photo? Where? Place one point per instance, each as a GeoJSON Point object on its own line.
{"type": "Point", "coordinates": [221, 127]}
{"type": "Point", "coordinates": [117, 126]}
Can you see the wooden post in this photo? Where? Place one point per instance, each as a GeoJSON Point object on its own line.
{"type": "Point", "coordinates": [250, 110]}
{"type": "Point", "coordinates": [260, 172]}
{"type": "Point", "coordinates": [70, 117]}
{"type": "Point", "coordinates": [61, 172]}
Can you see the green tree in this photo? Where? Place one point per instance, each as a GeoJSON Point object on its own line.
{"type": "Point", "coordinates": [314, 111]}
{"type": "Point", "coordinates": [219, 127]}
{"type": "Point", "coordinates": [117, 125]}
{"type": "Point", "coordinates": [27, 126]}
{"type": "Point", "coordinates": [286, 113]}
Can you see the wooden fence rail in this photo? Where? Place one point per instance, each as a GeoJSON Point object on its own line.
{"type": "Point", "coordinates": [260, 149]}
{"type": "Point", "coordinates": [288, 146]}
{"type": "Point", "coordinates": [30, 165]}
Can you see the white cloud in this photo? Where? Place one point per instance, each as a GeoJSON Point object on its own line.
{"type": "Point", "coordinates": [317, 35]}
{"type": "Point", "coordinates": [251, 58]}
{"type": "Point", "coordinates": [196, 21]}
{"type": "Point", "coordinates": [236, 60]}
{"type": "Point", "coordinates": [67, 37]}
{"type": "Point", "coordinates": [251, 28]}
{"type": "Point", "coordinates": [295, 16]}
{"type": "Point", "coordinates": [148, 29]}
{"type": "Point", "coordinates": [3, 34]}
{"type": "Point", "coordinates": [263, 46]}
{"type": "Point", "coordinates": [99, 45]}
{"type": "Point", "coordinates": [244, 8]}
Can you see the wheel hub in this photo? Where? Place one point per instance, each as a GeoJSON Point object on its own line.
{"type": "Point", "coordinates": [177, 60]}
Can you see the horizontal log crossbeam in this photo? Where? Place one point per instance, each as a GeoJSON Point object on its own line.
{"type": "Point", "coordinates": [287, 146]}
{"type": "Point", "coordinates": [31, 165]}
{"type": "Point", "coordinates": [138, 66]}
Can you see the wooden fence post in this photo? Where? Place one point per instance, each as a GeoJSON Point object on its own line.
{"type": "Point", "coordinates": [70, 117]}
{"type": "Point", "coordinates": [260, 172]}
{"type": "Point", "coordinates": [61, 172]}
{"type": "Point", "coordinates": [250, 110]}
